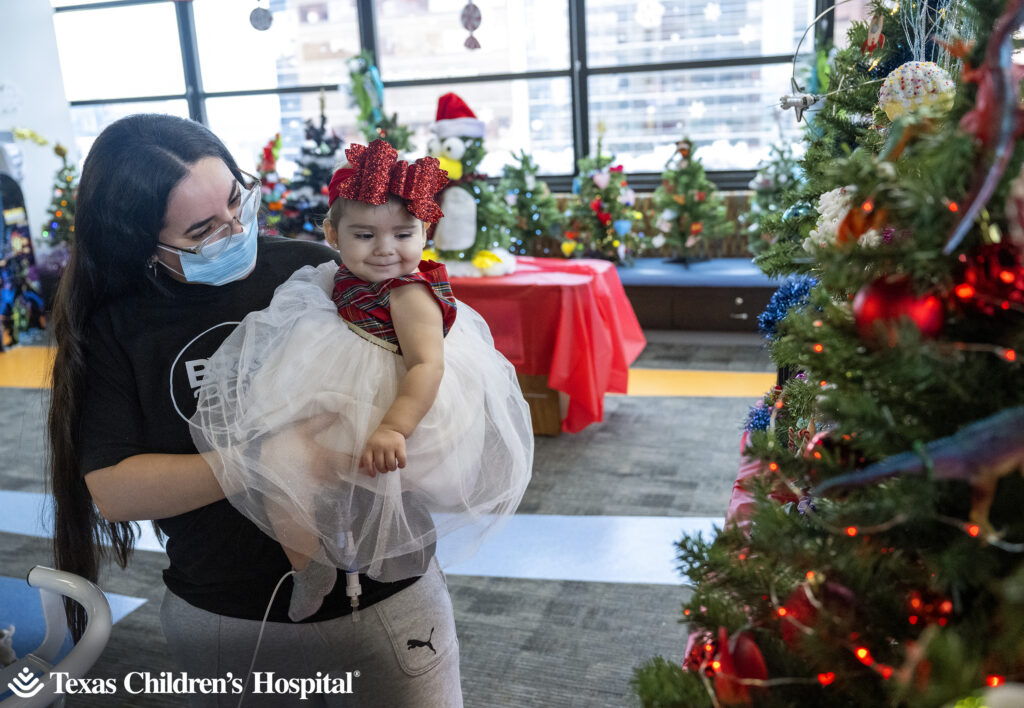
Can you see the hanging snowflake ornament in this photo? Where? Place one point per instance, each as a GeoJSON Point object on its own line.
{"type": "Point", "coordinates": [471, 21]}
{"type": "Point", "coordinates": [914, 85]}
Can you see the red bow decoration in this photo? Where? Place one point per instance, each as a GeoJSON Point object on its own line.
{"type": "Point", "coordinates": [377, 173]}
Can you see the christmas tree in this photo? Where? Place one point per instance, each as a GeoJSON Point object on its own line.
{"type": "Point", "coordinates": [306, 204]}
{"type": "Point", "coordinates": [881, 557]}
{"type": "Point", "coordinates": [60, 218]}
{"type": "Point", "coordinates": [780, 173]}
{"type": "Point", "coordinates": [368, 95]}
{"type": "Point", "coordinates": [273, 189]}
{"type": "Point", "coordinates": [538, 221]}
{"type": "Point", "coordinates": [690, 211]}
{"type": "Point", "coordinates": [602, 221]}
{"type": "Point", "coordinates": [849, 117]}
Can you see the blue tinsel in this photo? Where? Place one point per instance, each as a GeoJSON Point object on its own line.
{"type": "Point", "coordinates": [759, 417]}
{"type": "Point", "coordinates": [791, 293]}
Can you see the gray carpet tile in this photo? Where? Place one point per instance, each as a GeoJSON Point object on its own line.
{"type": "Point", "coordinates": [650, 457]}
{"type": "Point", "coordinates": [23, 439]}
{"type": "Point", "coordinates": [523, 643]}
{"type": "Point", "coordinates": [706, 351]}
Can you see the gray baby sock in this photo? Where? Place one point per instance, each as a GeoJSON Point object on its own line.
{"type": "Point", "coordinates": [309, 587]}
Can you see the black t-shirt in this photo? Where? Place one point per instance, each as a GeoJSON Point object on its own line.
{"type": "Point", "coordinates": [145, 358]}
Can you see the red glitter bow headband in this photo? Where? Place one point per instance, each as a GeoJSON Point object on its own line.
{"type": "Point", "coordinates": [377, 173]}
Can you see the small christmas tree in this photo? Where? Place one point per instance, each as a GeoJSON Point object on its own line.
{"type": "Point", "coordinates": [538, 222]}
{"type": "Point", "coordinates": [306, 204]}
{"type": "Point", "coordinates": [603, 220]}
{"type": "Point", "coordinates": [778, 175]}
{"type": "Point", "coordinates": [690, 211]}
{"type": "Point", "coordinates": [60, 219]}
{"type": "Point", "coordinates": [368, 96]}
{"type": "Point", "coordinates": [273, 188]}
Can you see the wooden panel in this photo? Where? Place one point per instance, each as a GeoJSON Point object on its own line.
{"type": "Point", "coordinates": [545, 404]}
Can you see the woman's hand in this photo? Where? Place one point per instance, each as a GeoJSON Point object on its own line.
{"type": "Point", "coordinates": [298, 447]}
{"type": "Point", "coordinates": [384, 452]}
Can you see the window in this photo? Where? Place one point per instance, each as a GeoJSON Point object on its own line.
{"type": "Point", "coordinates": [549, 77]}
{"type": "Point", "coordinates": [120, 52]}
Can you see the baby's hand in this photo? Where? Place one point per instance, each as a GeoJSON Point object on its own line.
{"type": "Point", "coordinates": [385, 451]}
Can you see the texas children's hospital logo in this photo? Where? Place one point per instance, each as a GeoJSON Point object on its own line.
{"type": "Point", "coordinates": [26, 684]}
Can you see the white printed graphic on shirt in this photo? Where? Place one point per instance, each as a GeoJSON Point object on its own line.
{"type": "Point", "coordinates": [190, 365]}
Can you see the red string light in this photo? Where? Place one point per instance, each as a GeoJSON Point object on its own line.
{"type": "Point", "coordinates": [868, 205]}
{"type": "Point", "coordinates": [851, 531]}
{"type": "Point", "coordinates": [964, 291]}
{"type": "Point", "coordinates": [912, 619]}
{"type": "Point", "coordinates": [1009, 355]}
{"type": "Point", "coordinates": [973, 530]}
{"type": "Point", "coordinates": [818, 323]}
{"type": "Point", "coordinates": [864, 656]}
{"type": "Point", "coordinates": [810, 575]}
{"type": "Point", "coordinates": [773, 466]}
{"type": "Point", "coordinates": [886, 672]}
{"type": "Point", "coordinates": [716, 665]}
{"type": "Point", "coordinates": [827, 678]}
{"type": "Point", "coordinates": [995, 681]}
{"type": "Point", "coordinates": [1006, 276]}
{"type": "Point", "coordinates": [954, 207]}
{"type": "Point", "coordinates": [781, 611]}
{"type": "Point", "coordinates": [819, 348]}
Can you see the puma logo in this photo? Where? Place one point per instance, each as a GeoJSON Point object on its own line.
{"type": "Point", "coordinates": [413, 643]}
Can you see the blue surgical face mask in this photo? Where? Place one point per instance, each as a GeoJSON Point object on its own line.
{"type": "Point", "coordinates": [233, 263]}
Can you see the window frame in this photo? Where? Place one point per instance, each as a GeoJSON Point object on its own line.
{"type": "Point", "coordinates": [578, 73]}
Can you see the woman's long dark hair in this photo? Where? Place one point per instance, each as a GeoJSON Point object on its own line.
{"type": "Point", "coordinates": [122, 201]}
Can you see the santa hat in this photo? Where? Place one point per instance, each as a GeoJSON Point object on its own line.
{"type": "Point", "coordinates": [454, 119]}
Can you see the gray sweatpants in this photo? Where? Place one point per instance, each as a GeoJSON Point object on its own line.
{"type": "Point", "coordinates": [402, 652]}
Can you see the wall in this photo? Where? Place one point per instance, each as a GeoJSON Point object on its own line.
{"type": "Point", "coordinates": [29, 61]}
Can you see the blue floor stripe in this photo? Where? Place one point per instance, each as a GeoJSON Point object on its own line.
{"type": "Point", "coordinates": [605, 549]}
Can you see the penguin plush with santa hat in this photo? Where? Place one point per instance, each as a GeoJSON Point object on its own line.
{"type": "Point", "coordinates": [473, 237]}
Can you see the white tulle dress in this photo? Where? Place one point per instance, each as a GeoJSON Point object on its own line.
{"type": "Point", "coordinates": [290, 398]}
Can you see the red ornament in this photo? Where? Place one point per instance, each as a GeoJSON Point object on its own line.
{"type": "Point", "coordinates": [595, 204]}
{"type": "Point", "coordinates": [889, 300]}
{"type": "Point", "coordinates": [701, 196]}
{"type": "Point", "coordinates": [604, 217]}
{"type": "Point", "coordinates": [797, 611]}
{"type": "Point", "coordinates": [740, 659]}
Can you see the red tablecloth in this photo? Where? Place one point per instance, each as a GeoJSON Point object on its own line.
{"type": "Point", "coordinates": [567, 320]}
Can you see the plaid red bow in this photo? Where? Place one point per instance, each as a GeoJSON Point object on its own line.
{"type": "Point", "coordinates": [377, 173]}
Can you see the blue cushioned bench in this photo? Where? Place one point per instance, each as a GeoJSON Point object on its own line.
{"type": "Point", "coordinates": [721, 294]}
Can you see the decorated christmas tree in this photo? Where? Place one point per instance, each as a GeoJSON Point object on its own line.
{"type": "Point", "coordinates": [273, 189]}
{"type": "Point", "coordinates": [845, 116]}
{"type": "Point", "coordinates": [537, 221]}
{"type": "Point", "coordinates": [474, 237]}
{"type": "Point", "coordinates": [690, 210]}
{"type": "Point", "coordinates": [60, 219]}
{"type": "Point", "coordinates": [779, 174]}
{"type": "Point", "coordinates": [368, 96]}
{"type": "Point", "coordinates": [602, 221]}
{"type": "Point", "coordinates": [306, 204]}
{"type": "Point", "coordinates": [879, 559]}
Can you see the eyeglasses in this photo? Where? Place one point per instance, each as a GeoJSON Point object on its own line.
{"type": "Point", "coordinates": [215, 244]}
